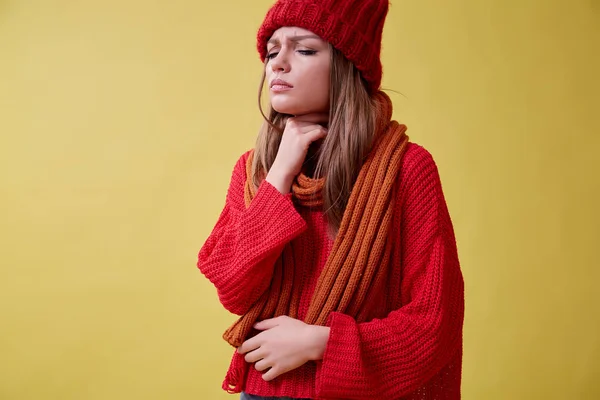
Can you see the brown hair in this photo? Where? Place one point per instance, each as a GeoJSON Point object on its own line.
{"type": "Point", "coordinates": [349, 139]}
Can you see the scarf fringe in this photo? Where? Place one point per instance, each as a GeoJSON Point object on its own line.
{"type": "Point", "coordinates": [235, 379]}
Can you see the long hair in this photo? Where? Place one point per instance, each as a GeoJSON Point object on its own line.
{"type": "Point", "coordinates": [349, 139]}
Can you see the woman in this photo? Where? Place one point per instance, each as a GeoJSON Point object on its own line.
{"type": "Point", "coordinates": [335, 245]}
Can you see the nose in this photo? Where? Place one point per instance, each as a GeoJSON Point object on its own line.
{"type": "Point", "coordinates": [280, 63]}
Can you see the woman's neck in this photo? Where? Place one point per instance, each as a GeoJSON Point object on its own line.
{"type": "Point", "coordinates": [311, 160]}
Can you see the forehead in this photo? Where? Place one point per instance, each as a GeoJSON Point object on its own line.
{"type": "Point", "coordinates": [290, 31]}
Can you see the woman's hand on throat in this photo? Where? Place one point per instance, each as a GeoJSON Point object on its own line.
{"type": "Point", "coordinates": [299, 133]}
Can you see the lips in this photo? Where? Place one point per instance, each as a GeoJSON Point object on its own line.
{"type": "Point", "coordinates": [281, 84]}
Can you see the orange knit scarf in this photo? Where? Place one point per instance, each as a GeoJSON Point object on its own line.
{"type": "Point", "coordinates": [360, 258]}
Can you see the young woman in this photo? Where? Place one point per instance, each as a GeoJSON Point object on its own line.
{"type": "Point", "coordinates": [335, 245]}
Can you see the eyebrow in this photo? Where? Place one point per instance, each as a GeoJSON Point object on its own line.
{"type": "Point", "coordinates": [295, 39]}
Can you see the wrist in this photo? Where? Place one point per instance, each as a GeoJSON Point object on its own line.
{"type": "Point", "coordinates": [320, 336]}
{"type": "Point", "coordinates": [281, 182]}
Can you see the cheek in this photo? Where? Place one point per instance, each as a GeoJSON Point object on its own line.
{"type": "Point", "coordinates": [315, 81]}
{"type": "Point", "coordinates": [320, 86]}
{"type": "Point", "coordinates": [268, 76]}
{"type": "Point", "coordinates": [311, 93]}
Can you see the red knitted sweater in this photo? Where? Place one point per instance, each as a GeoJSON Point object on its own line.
{"type": "Point", "coordinates": [411, 349]}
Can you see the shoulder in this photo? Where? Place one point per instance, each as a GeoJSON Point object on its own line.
{"type": "Point", "coordinates": [420, 193]}
{"type": "Point", "coordinates": [239, 169]}
{"type": "Point", "coordinates": [243, 159]}
{"type": "Point", "coordinates": [418, 167]}
{"type": "Point", "coordinates": [238, 175]}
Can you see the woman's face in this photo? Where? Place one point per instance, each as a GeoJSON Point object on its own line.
{"type": "Point", "coordinates": [300, 61]}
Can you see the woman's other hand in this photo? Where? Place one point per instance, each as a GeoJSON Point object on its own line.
{"type": "Point", "coordinates": [283, 345]}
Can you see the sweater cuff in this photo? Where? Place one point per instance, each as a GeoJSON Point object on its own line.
{"type": "Point", "coordinates": [332, 371]}
{"type": "Point", "coordinates": [275, 213]}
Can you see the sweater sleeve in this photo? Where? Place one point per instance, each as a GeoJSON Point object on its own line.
{"type": "Point", "coordinates": [392, 357]}
{"type": "Point", "coordinates": [239, 254]}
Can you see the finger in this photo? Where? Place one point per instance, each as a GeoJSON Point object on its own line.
{"type": "Point", "coordinates": [315, 118]}
{"type": "Point", "coordinates": [303, 126]}
{"type": "Point", "coordinates": [249, 345]}
{"type": "Point", "coordinates": [271, 374]}
{"type": "Point", "coordinates": [262, 365]}
{"type": "Point", "coordinates": [315, 134]}
{"type": "Point", "coordinates": [254, 356]}
{"type": "Point", "coordinates": [311, 127]}
{"type": "Point", "coordinates": [267, 324]}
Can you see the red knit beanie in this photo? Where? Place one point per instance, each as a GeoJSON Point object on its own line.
{"type": "Point", "coordinates": [352, 26]}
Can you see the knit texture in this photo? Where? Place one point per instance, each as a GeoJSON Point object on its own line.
{"type": "Point", "coordinates": [355, 27]}
{"type": "Point", "coordinates": [410, 347]}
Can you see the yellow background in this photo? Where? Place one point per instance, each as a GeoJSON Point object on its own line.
{"type": "Point", "coordinates": [120, 122]}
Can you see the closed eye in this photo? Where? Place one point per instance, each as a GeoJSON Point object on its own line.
{"type": "Point", "coordinates": [303, 52]}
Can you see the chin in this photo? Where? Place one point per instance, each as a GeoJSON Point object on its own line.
{"type": "Point", "coordinates": [284, 106]}
{"type": "Point", "coordinates": [294, 107]}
